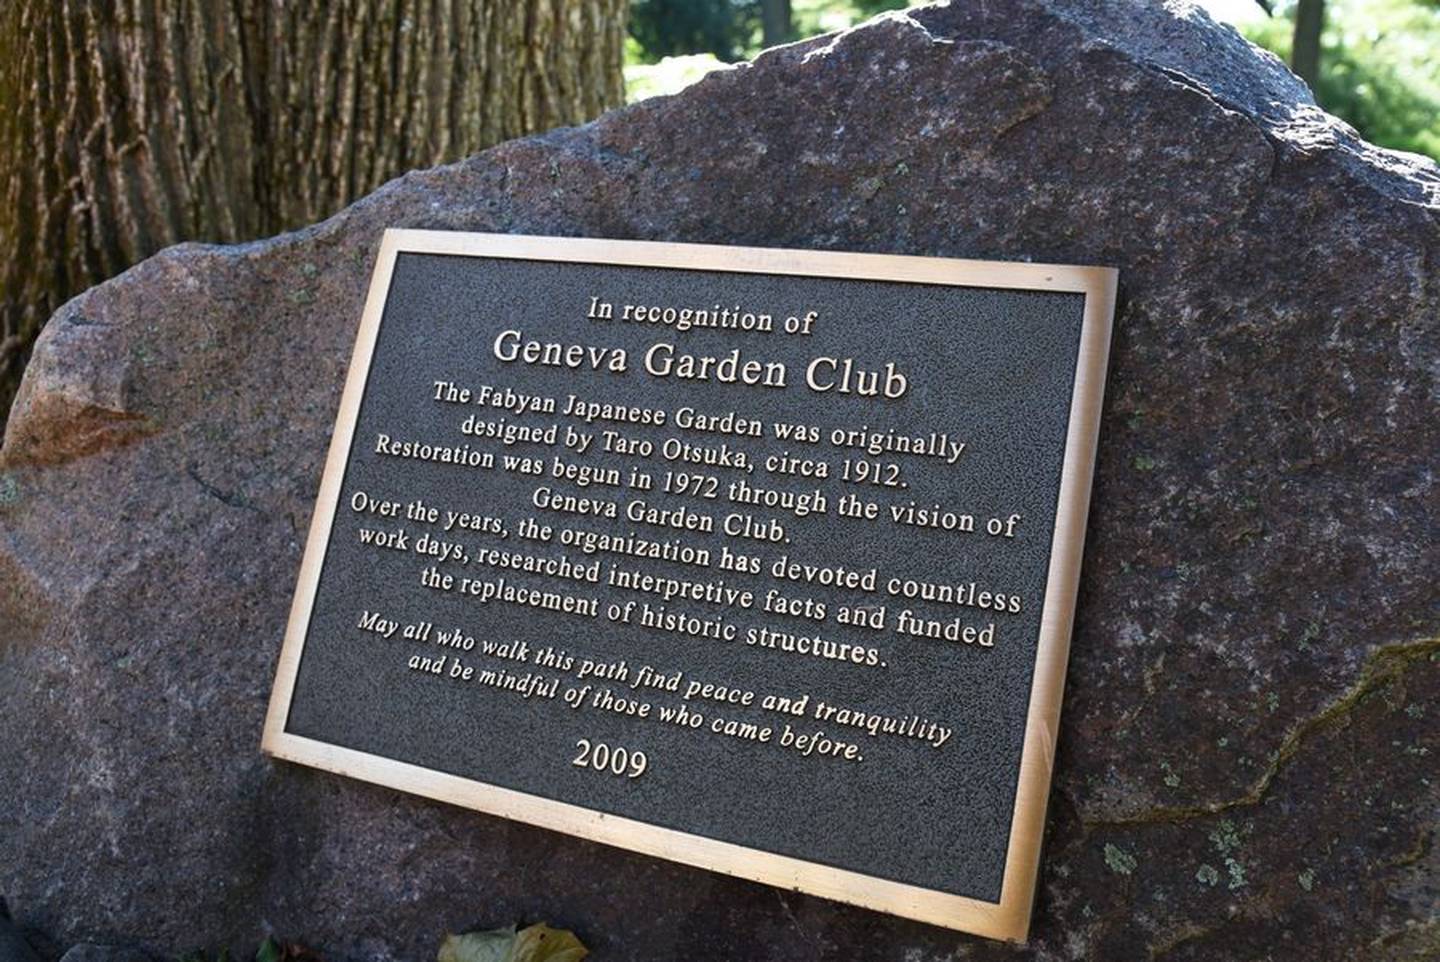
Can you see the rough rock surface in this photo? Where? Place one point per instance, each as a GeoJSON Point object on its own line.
{"type": "Point", "coordinates": [1249, 765]}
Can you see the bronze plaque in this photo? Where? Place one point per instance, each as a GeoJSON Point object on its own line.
{"type": "Point", "coordinates": [760, 560]}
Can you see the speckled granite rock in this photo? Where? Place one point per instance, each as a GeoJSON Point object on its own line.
{"type": "Point", "coordinates": [1249, 767]}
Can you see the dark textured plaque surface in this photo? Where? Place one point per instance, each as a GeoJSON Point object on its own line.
{"type": "Point", "coordinates": [993, 368]}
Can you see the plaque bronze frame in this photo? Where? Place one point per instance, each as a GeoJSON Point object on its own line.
{"type": "Point", "coordinates": [1007, 919]}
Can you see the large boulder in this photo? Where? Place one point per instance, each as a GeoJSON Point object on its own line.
{"type": "Point", "coordinates": [1249, 766]}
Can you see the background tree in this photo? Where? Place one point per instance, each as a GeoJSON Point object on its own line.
{"type": "Point", "coordinates": [667, 28]}
{"type": "Point", "coordinates": [775, 21]}
{"type": "Point", "coordinates": [128, 126]}
{"type": "Point", "coordinates": [1374, 63]}
{"type": "Point", "coordinates": [1305, 48]}
{"type": "Point", "coordinates": [731, 30]}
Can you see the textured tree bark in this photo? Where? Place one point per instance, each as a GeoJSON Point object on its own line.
{"type": "Point", "coordinates": [1305, 46]}
{"type": "Point", "coordinates": [131, 125]}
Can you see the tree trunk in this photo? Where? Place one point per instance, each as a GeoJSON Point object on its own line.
{"type": "Point", "coordinates": [131, 125]}
{"type": "Point", "coordinates": [775, 21]}
{"type": "Point", "coordinates": [1305, 47]}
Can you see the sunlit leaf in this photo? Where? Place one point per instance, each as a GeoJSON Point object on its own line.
{"type": "Point", "coordinates": [268, 952]}
{"type": "Point", "coordinates": [536, 943]}
{"type": "Point", "coordinates": [541, 943]}
{"type": "Point", "coordinates": [493, 946]}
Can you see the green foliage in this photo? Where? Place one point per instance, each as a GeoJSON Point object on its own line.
{"type": "Point", "coordinates": [868, 8]}
{"type": "Point", "coordinates": [1379, 67]}
{"type": "Point", "coordinates": [730, 30]}
{"type": "Point", "coordinates": [812, 17]}
{"type": "Point", "coordinates": [665, 28]}
{"type": "Point", "coordinates": [674, 43]}
{"type": "Point", "coordinates": [670, 75]}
